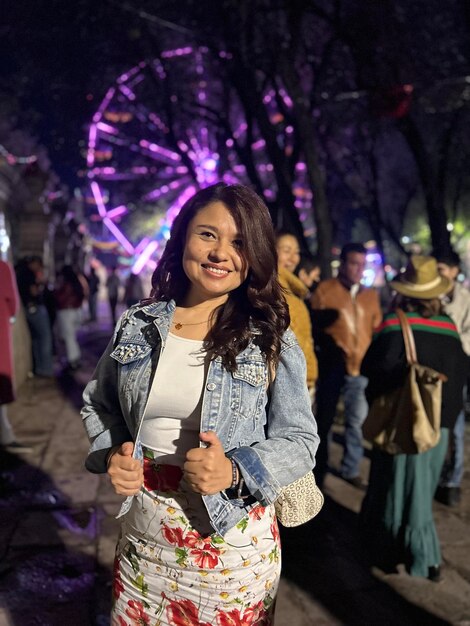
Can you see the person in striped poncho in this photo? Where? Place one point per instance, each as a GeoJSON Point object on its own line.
{"type": "Point", "coordinates": [397, 510]}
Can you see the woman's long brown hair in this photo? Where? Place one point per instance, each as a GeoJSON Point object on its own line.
{"type": "Point", "coordinates": [424, 308]}
{"type": "Point", "coordinates": [258, 304]}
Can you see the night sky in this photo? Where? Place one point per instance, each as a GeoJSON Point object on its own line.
{"type": "Point", "coordinates": [54, 55]}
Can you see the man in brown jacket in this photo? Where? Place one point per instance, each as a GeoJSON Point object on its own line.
{"type": "Point", "coordinates": [344, 316]}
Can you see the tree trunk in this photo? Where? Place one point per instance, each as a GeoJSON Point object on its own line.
{"type": "Point", "coordinates": [437, 217]}
{"type": "Point", "coordinates": [307, 139]}
{"type": "Point", "coordinates": [245, 84]}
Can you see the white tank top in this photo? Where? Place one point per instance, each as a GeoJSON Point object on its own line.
{"type": "Point", "coordinates": [173, 414]}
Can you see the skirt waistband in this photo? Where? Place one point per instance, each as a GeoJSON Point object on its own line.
{"type": "Point", "coordinates": [160, 477]}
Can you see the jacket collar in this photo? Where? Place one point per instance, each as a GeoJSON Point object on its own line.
{"type": "Point", "coordinates": [156, 309]}
{"type": "Point", "coordinates": [293, 284]}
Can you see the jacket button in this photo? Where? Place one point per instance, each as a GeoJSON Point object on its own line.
{"type": "Point", "coordinates": [210, 386]}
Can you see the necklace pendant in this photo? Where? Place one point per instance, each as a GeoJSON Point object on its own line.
{"type": "Point", "coordinates": [178, 326]}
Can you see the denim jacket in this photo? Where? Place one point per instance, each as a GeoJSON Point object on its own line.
{"type": "Point", "coordinates": [272, 443]}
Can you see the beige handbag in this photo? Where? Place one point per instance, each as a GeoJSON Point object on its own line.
{"type": "Point", "coordinates": [407, 420]}
{"type": "Point", "coordinates": [299, 502]}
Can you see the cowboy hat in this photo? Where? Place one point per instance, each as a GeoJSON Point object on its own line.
{"type": "Point", "coordinates": [421, 279]}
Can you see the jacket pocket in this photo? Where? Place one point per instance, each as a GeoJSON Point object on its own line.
{"type": "Point", "coordinates": [249, 383]}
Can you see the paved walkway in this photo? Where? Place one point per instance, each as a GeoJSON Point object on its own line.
{"type": "Point", "coordinates": [57, 534]}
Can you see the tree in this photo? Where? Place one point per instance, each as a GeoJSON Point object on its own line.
{"type": "Point", "coordinates": [365, 93]}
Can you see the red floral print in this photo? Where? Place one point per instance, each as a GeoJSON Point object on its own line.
{"type": "Point", "coordinates": [206, 557]}
{"type": "Point", "coordinates": [275, 532]}
{"type": "Point", "coordinates": [118, 587]}
{"type": "Point", "coordinates": [161, 477]}
{"type": "Point", "coordinates": [193, 539]}
{"type": "Point", "coordinates": [173, 535]}
{"type": "Point", "coordinates": [137, 614]}
{"type": "Point", "coordinates": [257, 512]}
{"type": "Point", "coordinates": [120, 621]}
{"type": "Point", "coordinates": [251, 616]}
{"type": "Point", "coordinates": [255, 614]}
{"type": "Point", "coordinates": [183, 613]}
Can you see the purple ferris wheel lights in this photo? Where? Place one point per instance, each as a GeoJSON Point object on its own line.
{"type": "Point", "coordinates": [104, 105]}
{"type": "Point", "coordinates": [95, 188]}
{"type": "Point", "coordinates": [176, 206]}
{"type": "Point", "coordinates": [125, 243]}
{"type": "Point", "coordinates": [229, 179]}
{"type": "Point", "coordinates": [144, 257]}
{"type": "Point", "coordinates": [143, 168]}
{"type": "Point", "coordinates": [141, 245]}
{"type": "Point", "coordinates": [183, 146]}
{"type": "Point", "coordinates": [153, 147]}
{"type": "Point", "coordinates": [179, 52]}
{"type": "Point", "coordinates": [104, 172]}
{"type": "Point", "coordinates": [157, 121]}
{"type": "Point", "coordinates": [258, 145]}
{"type": "Point", "coordinates": [286, 98]}
{"type": "Point", "coordinates": [240, 130]}
{"type": "Point", "coordinates": [107, 128]}
{"type": "Point", "coordinates": [119, 211]}
{"type": "Point", "coordinates": [127, 91]}
{"type": "Point", "coordinates": [90, 158]}
{"type": "Point", "coordinates": [206, 171]}
{"type": "Point", "coordinates": [130, 73]}
{"type": "Point", "coordinates": [164, 189]}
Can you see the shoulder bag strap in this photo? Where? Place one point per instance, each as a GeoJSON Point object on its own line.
{"type": "Point", "coordinates": [410, 347]}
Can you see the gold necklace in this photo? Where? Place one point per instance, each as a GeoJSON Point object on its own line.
{"type": "Point", "coordinates": [179, 325]}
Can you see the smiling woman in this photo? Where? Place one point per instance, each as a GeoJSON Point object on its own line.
{"type": "Point", "coordinates": [178, 414]}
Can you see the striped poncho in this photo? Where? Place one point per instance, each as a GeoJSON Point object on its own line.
{"type": "Point", "coordinates": [437, 345]}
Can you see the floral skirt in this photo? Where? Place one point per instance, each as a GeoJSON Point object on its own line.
{"type": "Point", "coordinates": [171, 567]}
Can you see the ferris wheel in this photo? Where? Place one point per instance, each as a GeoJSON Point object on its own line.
{"type": "Point", "coordinates": [164, 129]}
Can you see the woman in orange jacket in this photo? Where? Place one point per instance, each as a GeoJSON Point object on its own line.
{"type": "Point", "coordinates": [295, 291]}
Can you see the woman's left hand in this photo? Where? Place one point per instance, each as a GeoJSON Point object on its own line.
{"type": "Point", "coordinates": [208, 470]}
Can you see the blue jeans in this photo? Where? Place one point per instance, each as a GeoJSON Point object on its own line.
{"type": "Point", "coordinates": [41, 340]}
{"type": "Point", "coordinates": [334, 381]}
{"type": "Point", "coordinates": [355, 412]}
{"type": "Point", "coordinates": [452, 471]}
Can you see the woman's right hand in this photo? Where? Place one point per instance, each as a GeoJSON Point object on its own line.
{"type": "Point", "coordinates": [126, 473]}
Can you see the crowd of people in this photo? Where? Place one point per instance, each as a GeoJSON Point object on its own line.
{"type": "Point", "coordinates": [54, 313]}
{"type": "Point", "coordinates": [56, 309]}
{"type": "Point", "coordinates": [223, 387]}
